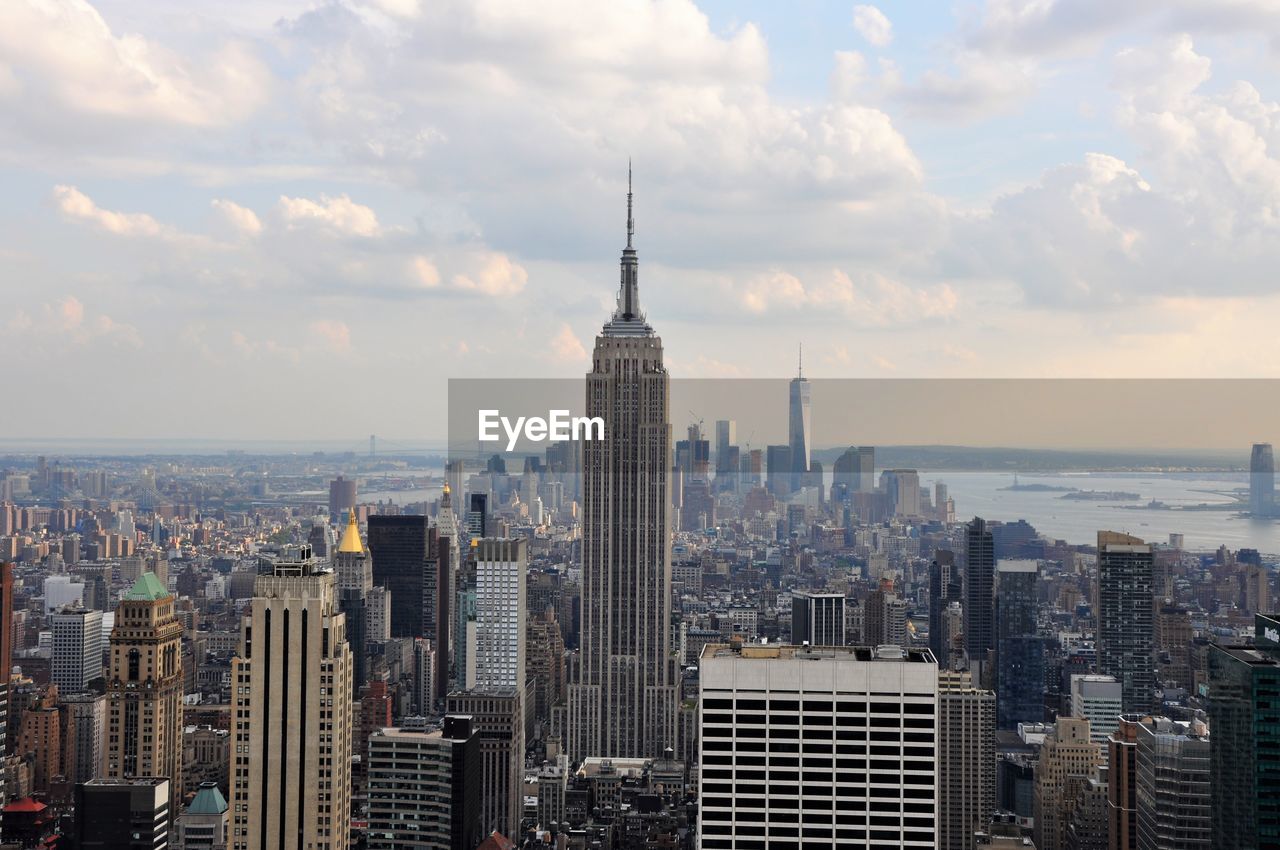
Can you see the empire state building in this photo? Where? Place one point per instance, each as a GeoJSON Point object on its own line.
{"type": "Point", "coordinates": [624, 700]}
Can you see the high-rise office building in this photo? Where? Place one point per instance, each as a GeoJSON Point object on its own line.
{"type": "Point", "coordinates": [800, 423]}
{"type": "Point", "coordinates": [944, 588]}
{"type": "Point", "coordinates": [122, 814]}
{"type": "Point", "coordinates": [854, 472]}
{"type": "Point", "coordinates": [145, 688]}
{"type": "Point", "coordinates": [355, 583]}
{"type": "Point", "coordinates": [902, 491]}
{"type": "Point", "coordinates": [77, 648]}
{"type": "Point", "coordinates": [424, 787]}
{"type": "Point", "coordinates": [1020, 651]}
{"type": "Point", "coordinates": [1262, 481]}
{"type": "Point", "coordinates": [625, 697]}
{"type": "Point", "coordinates": [979, 609]}
{"type": "Point", "coordinates": [441, 588]}
{"type": "Point", "coordinates": [498, 717]}
{"type": "Point", "coordinates": [1126, 624]}
{"type": "Point", "coordinates": [342, 497]}
{"type": "Point", "coordinates": [1173, 797]}
{"type": "Point", "coordinates": [84, 719]}
{"type": "Point", "coordinates": [966, 760]}
{"type": "Point", "coordinates": [500, 614]}
{"type": "Point", "coordinates": [291, 721]}
{"type": "Point", "coordinates": [1244, 716]}
{"type": "Point", "coordinates": [778, 470]}
{"type": "Point", "coordinates": [818, 619]}
{"type": "Point", "coordinates": [350, 562]}
{"type": "Point", "coordinates": [1068, 759]}
{"type": "Point", "coordinates": [398, 547]}
{"type": "Point", "coordinates": [867, 720]}
{"type": "Point", "coordinates": [727, 454]}
{"type": "Point", "coordinates": [6, 655]}
{"type": "Point", "coordinates": [1122, 783]}
{"type": "Point", "coordinates": [1098, 699]}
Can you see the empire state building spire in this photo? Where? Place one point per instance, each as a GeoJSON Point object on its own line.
{"type": "Point", "coordinates": [628, 318]}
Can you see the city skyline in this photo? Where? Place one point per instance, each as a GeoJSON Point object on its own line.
{"type": "Point", "coordinates": [298, 188]}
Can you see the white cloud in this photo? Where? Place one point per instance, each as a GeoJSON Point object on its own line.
{"type": "Point", "coordinates": [241, 220]}
{"type": "Point", "coordinates": [566, 347]}
{"type": "Point", "coordinates": [78, 206]}
{"type": "Point", "coordinates": [339, 214]}
{"type": "Point", "coordinates": [61, 56]}
{"type": "Point", "coordinates": [871, 299]}
{"type": "Point", "coordinates": [872, 25]}
{"type": "Point", "coordinates": [335, 334]}
{"type": "Point", "coordinates": [491, 274]}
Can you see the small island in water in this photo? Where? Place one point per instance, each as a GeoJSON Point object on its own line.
{"type": "Point", "coordinates": [1102, 496]}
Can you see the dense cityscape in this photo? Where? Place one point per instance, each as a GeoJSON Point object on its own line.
{"type": "Point", "coordinates": [631, 641]}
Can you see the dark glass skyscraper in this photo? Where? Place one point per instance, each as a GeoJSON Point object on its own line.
{"type": "Point", "coordinates": [1126, 626]}
{"type": "Point", "coordinates": [398, 546]}
{"type": "Point", "coordinates": [979, 609]}
{"type": "Point", "coordinates": [1244, 753]}
{"type": "Point", "coordinates": [1019, 649]}
{"type": "Point", "coordinates": [817, 619]}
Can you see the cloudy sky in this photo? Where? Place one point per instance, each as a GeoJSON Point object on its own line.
{"type": "Point", "coordinates": [277, 219]}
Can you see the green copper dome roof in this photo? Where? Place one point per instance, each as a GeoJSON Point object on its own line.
{"type": "Point", "coordinates": [147, 589]}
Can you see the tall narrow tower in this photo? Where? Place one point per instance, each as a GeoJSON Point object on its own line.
{"type": "Point", "coordinates": [624, 701]}
{"type": "Point", "coordinates": [144, 690]}
{"type": "Point", "coordinates": [800, 425]}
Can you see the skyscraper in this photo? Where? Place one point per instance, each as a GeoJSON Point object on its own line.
{"type": "Point", "coordinates": [1126, 623]}
{"type": "Point", "coordinates": [1244, 714]}
{"type": "Point", "coordinates": [500, 614]}
{"type": "Point", "coordinates": [6, 655]}
{"type": "Point", "coordinates": [342, 497]}
{"type": "Point", "coordinates": [424, 787]}
{"type": "Point", "coordinates": [77, 648]}
{"type": "Point", "coordinates": [123, 814]}
{"type": "Point", "coordinates": [800, 425]}
{"type": "Point", "coordinates": [399, 550]}
{"type": "Point", "coordinates": [833, 700]}
{"type": "Point", "coordinates": [778, 468]}
{"type": "Point", "coordinates": [84, 718]}
{"type": "Point", "coordinates": [1122, 783]}
{"type": "Point", "coordinates": [979, 609]}
{"type": "Point", "coordinates": [966, 760]}
{"type": "Point", "coordinates": [291, 714]}
{"type": "Point", "coordinates": [355, 582]}
{"type": "Point", "coordinates": [1262, 481]}
{"type": "Point", "coordinates": [1020, 651]}
{"type": "Point", "coordinates": [625, 698]}
{"type": "Point", "coordinates": [1068, 759]}
{"type": "Point", "coordinates": [902, 490]}
{"type": "Point", "coordinates": [944, 588]}
{"type": "Point", "coordinates": [1173, 785]}
{"type": "Point", "coordinates": [145, 688]}
{"type": "Point", "coordinates": [817, 619]}
{"type": "Point", "coordinates": [1098, 699]}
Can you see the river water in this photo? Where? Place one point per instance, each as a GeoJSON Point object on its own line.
{"type": "Point", "coordinates": [986, 494]}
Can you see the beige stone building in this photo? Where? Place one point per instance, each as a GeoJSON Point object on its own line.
{"type": "Point", "coordinates": [145, 687]}
{"type": "Point", "coordinates": [1069, 758]}
{"type": "Point", "coordinates": [291, 713]}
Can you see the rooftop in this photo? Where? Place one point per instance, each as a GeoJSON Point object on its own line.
{"type": "Point", "coordinates": [147, 589]}
{"type": "Point", "coordinates": [778, 651]}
